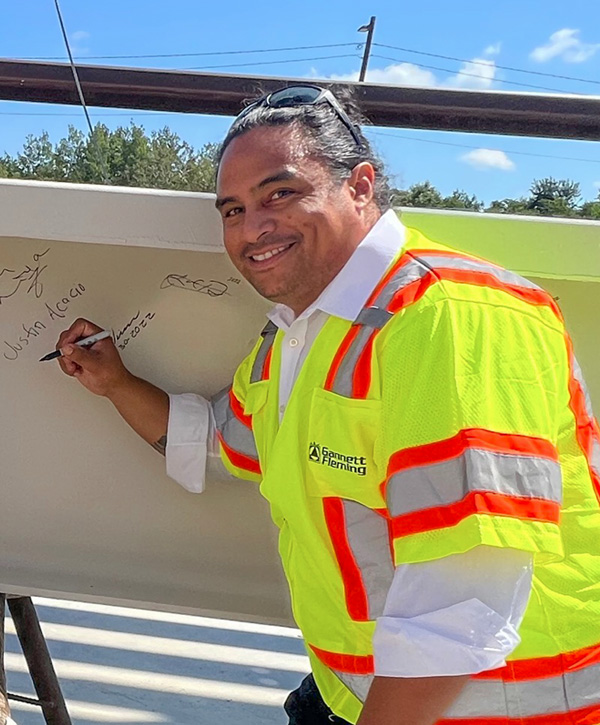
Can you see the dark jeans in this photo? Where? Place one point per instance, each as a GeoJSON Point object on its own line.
{"type": "Point", "coordinates": [305, 706]}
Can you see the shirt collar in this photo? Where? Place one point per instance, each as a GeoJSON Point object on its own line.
{"type": "Point", "coordinates": [347, 293]}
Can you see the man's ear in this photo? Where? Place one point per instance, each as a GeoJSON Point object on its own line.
{"type": "Point", "coordinates": [362, 183]}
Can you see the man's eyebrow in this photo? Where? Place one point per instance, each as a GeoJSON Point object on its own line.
{"type": "Point", "coordinates": [285, 175]}
{"type": "Point", "coordinates": [219, 203]}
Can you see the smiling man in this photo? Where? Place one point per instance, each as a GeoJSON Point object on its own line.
{"type": "Point", "coordinates": [418, 423]}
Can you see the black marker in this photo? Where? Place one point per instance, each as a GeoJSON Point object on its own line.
{"type": "Point", "coordinates": [86, 342]}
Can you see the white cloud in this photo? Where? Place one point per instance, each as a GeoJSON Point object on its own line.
{"type": "Point", "coordinates": [397, 74]}
{"type": "Point", "coordinates": [478, 73]}
{"type": "Point", "coordinates": [79, 35]}
{"type": "Point", "coordinates": [79, 45]}
{"type": "Point", "coordinates": [488, 159]}
{"type": "Point", "coordinates": [493, 49]}
{"type": "Point", "coordinates": [567, 45]}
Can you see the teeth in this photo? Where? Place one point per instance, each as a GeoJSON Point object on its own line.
{"type": "Point", "coordinates": [268, 255]}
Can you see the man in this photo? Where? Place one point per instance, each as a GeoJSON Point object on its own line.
{"type": "Point", "coordinates": [415, 417]}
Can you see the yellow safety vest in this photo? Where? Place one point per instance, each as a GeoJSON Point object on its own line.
{"type": "Point", "coordinates": [451, 414]}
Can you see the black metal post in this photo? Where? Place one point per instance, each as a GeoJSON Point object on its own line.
{"type": "Point", "coordinates": [38, 659]}
{"type": "Point", "coordinates": [370, 28]}
{"type": "Point", "coordinates": [4, 709]}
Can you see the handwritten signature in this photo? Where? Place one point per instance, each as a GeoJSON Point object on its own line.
{"type": "Point", "coordinates": [132, 329]}
{"type": "Point", "coordinates": [31, 276]}
{"type": "Point", "coordinates": [212, 287]}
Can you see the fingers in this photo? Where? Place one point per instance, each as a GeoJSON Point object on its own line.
{"type": "Point", "coordinates": [80, 328]}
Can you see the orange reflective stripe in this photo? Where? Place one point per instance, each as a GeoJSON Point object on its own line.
{"type": "Point", "coordinates": [414, 291]}
{"type": "Point", "coordinates": [581, 716]}
{"type": "Point", "coordinates": [475, 502]}
{"type": "Point", "coordinates": [354, 588]}
{"type": "Point", "coordinates": [238, 410]}
{"type": "Point", "coordinates": [543, 667]}
{"type": "Point", "coordinates": [470, 438]}
{"type": "Point", "coordinates": [353, 664]}
{"type": "Point", "coordinates": [266, 373]}
{"type": "Point", "coordinates": [339, 356]}
{"type": "Point", "coordinates": [239, 460]}
{"type": "Point", "coordinates": [361, 380]}
{"type": "Point", "coordinates": [404, 259]}
{"type": "Point", "coordinates": [587, 429]}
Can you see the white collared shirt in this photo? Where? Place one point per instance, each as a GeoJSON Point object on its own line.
{"type": "Point", "coordinates": [456, 615]}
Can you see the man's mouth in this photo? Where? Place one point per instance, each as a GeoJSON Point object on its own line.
{"type": "Point", "coordinates": [269, 254]}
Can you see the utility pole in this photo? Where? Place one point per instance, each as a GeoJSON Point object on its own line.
{"type": "Point", "coordinates": [369, 29]}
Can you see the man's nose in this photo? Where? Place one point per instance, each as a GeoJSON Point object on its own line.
{"type": "Point", "coordinates": [257, 223]}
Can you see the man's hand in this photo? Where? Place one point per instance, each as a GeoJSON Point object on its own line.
{"type": "Point", "coordinates": [410, 701]}
{"type": "Point", "coordinates": [100, 368]}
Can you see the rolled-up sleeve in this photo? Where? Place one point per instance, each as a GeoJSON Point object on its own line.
{"type": "Point", "coordinates": [191, 438]}
{"type": "Point", "coordinates": [453, 616]}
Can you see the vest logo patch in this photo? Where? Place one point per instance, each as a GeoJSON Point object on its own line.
{"type": "Point", "coordinates": [326, 457]}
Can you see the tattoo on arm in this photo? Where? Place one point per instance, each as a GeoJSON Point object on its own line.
{"type": "Point", "coordinates": [160, 445]}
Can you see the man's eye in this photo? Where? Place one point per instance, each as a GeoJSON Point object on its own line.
{"type": "Point", "coordinates": [281, 193]}
{"type": "Point", "coordinates": [234, 211]}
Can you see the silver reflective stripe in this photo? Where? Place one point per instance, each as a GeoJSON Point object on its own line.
{"type": "Point", "coordinates": [407, 274]}
{"type": "Point", "coordinates": [342, 383]}
{"type": "Point", "coordinates": [359, 685]}
{"type": "Point", "coordinates": [235, 434]}
{"type": "Point", "coordinates": [373, 317]}
{"type": "Point", "coordinates": [368, 538]}
{"type": "Point", "coordinates": [595, 461]}
{"type": "Point", "coordinates": [268, 335]}
{"type": "Point", "coordinates": [578, 375]}
{"type": "Point", "coordinates": [447, 482]}
{"type": "Point", "coordinates": [527, 698]}
{"type": "Point", "coordinates": [474, 265]}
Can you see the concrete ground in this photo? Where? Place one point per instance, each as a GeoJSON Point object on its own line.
{"type": "Point", "coordinates": [129, 666]}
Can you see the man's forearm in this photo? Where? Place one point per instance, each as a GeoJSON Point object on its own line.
{"type": "Point", "coordinates": [410, 701]}
{"type": "Point", "coordinates": [145, 408]}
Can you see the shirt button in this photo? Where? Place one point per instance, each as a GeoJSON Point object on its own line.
{"type": "Point", "coordinates": [293, 342]}
{"type": "Point", "coordinates": [282, 409]}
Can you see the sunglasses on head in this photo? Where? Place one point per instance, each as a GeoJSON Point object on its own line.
{"type": "Point", "coordinates": [304, 96]}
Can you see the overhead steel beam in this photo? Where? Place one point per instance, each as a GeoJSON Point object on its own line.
{"type": "Point", "coordinates": [496, 112]}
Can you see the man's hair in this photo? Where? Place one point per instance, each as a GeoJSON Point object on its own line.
{"type": "Point", "coordinates": [329, 140]}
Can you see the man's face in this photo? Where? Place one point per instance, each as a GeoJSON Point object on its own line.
{"type": "Point", "coordinates": [288, 226]}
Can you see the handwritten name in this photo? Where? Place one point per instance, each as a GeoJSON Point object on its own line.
{"type": "Point", "coordinates": [211, 287]}
{"type": "Point", "coordinates": [56, 310]}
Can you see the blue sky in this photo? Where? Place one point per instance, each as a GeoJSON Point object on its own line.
{"type": "Point", "coordinates": [553, 37]}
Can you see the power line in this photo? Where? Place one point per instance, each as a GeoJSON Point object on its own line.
{"type": "Point", "coordinates": [358, 46]}
{"type": "Point", "coordinates": [471, 75]}
{"type": "Point", "coordinates": [482, 62]}
{"type": "Point", "coordinates": [469, 146]}
{"type": "Point", "coordinates": [273, 62]}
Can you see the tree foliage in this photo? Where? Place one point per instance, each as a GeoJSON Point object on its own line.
{"type": "Point", "coordinates": [129, 156]}
{"type": "Point", "coordinates": [547, 197]}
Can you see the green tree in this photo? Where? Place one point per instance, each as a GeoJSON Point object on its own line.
{"type": "Point", "coordinates": [422, 195]}
{"type": "Point", "coordinates": [591, 209]}
{"type": "Point", "coordinates": [509, 206]}
{"type": "Point", "coordinates": [127, 156]}
{"type": "Point", "coordinates": [461, 200]}
{"type": "Point", "coordinates": [554, 197]}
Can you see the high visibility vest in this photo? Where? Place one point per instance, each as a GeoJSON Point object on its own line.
{"type": "Point", "coordinates": [450, 414]}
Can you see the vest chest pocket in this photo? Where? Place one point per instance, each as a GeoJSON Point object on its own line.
{"type": "Point", "coordinates": [342, 448]}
